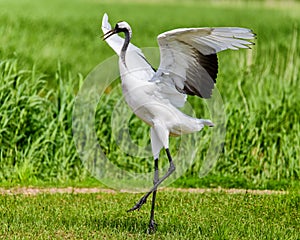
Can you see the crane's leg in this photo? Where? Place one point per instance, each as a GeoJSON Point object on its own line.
{"type": "Point", "coordinates": [168, 173]}
{"type": "Point", "coordinates": [159, 139]}
{"type": "Point", "coordinates": [152, 224]}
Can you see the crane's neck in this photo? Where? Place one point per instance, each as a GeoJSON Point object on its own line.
{"type": "Point", "coordinates": [125, 46]}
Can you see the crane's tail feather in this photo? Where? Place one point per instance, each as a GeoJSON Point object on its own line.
{"type": "Point", "coordinates": [206, 122]}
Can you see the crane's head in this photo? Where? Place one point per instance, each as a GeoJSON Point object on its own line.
{"type": "Point", "coordinates": [120, 27]}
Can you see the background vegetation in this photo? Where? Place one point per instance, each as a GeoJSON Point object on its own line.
{"type": "Point", "coordinates": [48, 47]}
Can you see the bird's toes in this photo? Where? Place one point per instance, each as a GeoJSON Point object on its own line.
{"type": "Point", "coordinates": [133, 208]}
{"type": "Point", "coordinates": [138, 205]}
{"type": "Point", "coordinates": [152, 227]}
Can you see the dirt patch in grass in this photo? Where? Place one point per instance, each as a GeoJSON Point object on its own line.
{"type": "Point", "coordinates": [73, 190]}
{"type": "Point", "coordinates": [230, 191]}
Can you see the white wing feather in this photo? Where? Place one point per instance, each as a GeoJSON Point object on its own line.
{"type": "Point", "coordinates": [188, 56]}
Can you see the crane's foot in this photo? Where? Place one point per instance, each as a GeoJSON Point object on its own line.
{"type": "Point", "coordinates": [152, 227]}
{"type": "Point", "coordinates": [139, 204]}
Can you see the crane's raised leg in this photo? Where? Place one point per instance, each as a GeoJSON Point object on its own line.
{"type": "Point", "coordinates": [159, 139]}
{"type": "Point", "coordinates": [168, 173]}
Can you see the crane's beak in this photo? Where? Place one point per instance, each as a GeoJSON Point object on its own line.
{"type": "Point", "coordinates": [109, 33]}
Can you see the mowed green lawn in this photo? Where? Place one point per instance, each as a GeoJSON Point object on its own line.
{"type": "Point", "coordinates": [47, 48]}
{"type": "Point", "coordinates": [179, 216]}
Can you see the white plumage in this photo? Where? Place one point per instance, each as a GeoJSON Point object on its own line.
{"type": "Point", "coordinates": [188, 65]}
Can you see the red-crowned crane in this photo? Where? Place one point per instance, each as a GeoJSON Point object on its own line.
{"type": "Point", "coordinates": [188, 66]}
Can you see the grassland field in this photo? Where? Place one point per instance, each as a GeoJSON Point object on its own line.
{"type": "Point", "coordinates": [47, 48]}
{"type": "Point", "coordinates": [180, 215]}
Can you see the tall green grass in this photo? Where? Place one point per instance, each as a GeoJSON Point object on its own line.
{"type": "Point", "coordinates": [259, 89]}
{"type": "Point", "coordinates": [36, 136]}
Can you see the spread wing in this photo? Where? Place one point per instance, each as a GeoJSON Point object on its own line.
{"type": "Point", "coordinates": [188, 57]}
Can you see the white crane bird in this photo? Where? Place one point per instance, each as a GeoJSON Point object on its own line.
{"type": "Point", "coordinates": [188, 65]}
